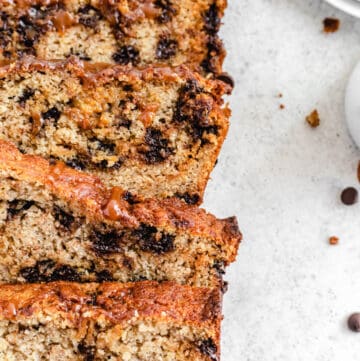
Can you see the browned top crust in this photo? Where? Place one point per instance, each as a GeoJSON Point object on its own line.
{"type": "Point", "coordinates": [102, 73]}
{"type": "Point", "coordinates": [88, 196]}
{"type": "Point", "coordinates": [116, 303]}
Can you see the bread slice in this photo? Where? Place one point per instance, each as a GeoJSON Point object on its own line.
{"type": "Point", "coordinates": [155, 131]}
{"type": "Point", "coordinates": [136, 32]}
{"type": "Point", "coordinates": [57, 223]}
{"type": "Point", "coordinates": [143, 321]}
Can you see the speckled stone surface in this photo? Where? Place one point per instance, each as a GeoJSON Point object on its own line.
{"type": "Point", "coordinates": [290, 291]}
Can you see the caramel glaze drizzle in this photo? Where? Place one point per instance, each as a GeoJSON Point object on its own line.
{"type": "Point", "coordinates": [111, 10]}
{"type": "Point", "coordinates": [63, 20]}
{"type": "Point", "coordinates": [38, 121]}
{"type": "Point", "coordinates": [117, 209]}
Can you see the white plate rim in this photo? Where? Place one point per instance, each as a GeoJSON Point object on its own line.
{"type": "Point", "coordinates": [350, 6]}
{"type": "Point", "coordinates": [352, 106]}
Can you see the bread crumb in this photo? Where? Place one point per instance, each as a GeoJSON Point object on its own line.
{"type": "Point", "coordinates": [358, 171]}
{"type": "Point", "coordinates": [313, 119]}
{"type": "Point", "coordinates": [333, 240]}
{"type": "Point", "coordinates": [282, 106]}
{"type": "Point", "coordinates": [331, 25]}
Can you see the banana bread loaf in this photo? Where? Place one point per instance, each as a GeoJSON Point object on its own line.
{"type": "Point", "coordinates": [125, 32]}
{"type": "Point", "coordinates": [143, 321]}
{"type": "Point", "coordinates": [155, 131]}
{"type": "Point", "coordinates": [57, 223]}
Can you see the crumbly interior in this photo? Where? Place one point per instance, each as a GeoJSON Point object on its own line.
{"type": "Point", "coordinates": [153, 138]}
{"type": "Point", "coordinates": [41, 240]}
{"type": "Point", "coordinates": [123, 32]}
{"type": "Point", "coordinates": [54, 340]}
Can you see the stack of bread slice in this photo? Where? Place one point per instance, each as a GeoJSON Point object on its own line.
{"type": "Point", "coordinates": [111, 121]}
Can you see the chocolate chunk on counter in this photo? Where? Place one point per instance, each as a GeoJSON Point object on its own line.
{"type": "Point", "coordinates": [354, 322]}
{"type": "Point", "coordinates": [331, 25]}
{"type": "Point", "coordinates": [349, 196]}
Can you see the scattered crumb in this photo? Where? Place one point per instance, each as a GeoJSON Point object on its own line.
{"type": "Point", "coordinates": [280, 95]}
{"type": "Point", "coordinates": [358, 171]}
{"type": "Point", "coordinates": [333, 241]}
{"type": "Point", "coordinates": [282, 106]}
{"type": "Point", "coordinates": [313, 119]}
{"type": "Point", "coordinates": [331, 25]}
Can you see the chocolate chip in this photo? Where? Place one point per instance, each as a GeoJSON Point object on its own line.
{"type": "Point", "coordinates": [349, 196]}
{"type": "Point", "coordinates": [166, 48]}
{"type": "Point", "coordinates": [52, 113]}
{"type": "Point", "coordinates": [104, 165]}
{"type": "Point", "coordinates": [30, 274]}
{"type": "Point", "coordinates": [7, 54]}
{"type": "Point", "coordinates": [28, 31]}
{"type": "Point", "coordinates": [87, 351]}
{"type": "Point", "coordinates": [208, 348]}
{"type": "Point", "coordinates": [331, 25]}
{"type": "Point", "coordinates": [106, 243]}
{"type": "Point", "coordinates": [79, 54]}
{"type": "Point", "coordinates": [104, 276]}
{"type": "Point", "coordinates": [130, 198]}
{"type": "Point", "coordinates": [41, 272]}
{"type": "Point", "coordinates": [164, 245]}
{"type": "Point", "coordinates": [84, 57]}
{"type": "Point", "coordinates": [189, 198]}
{"type": "Point", "coordinates": [219, 266]}
{"type": "Point", "coordinates": [106, 146]}
{"type": "Point", "coordinates": [103, 145]}
{"type": "Point", "coordinates": [214, 48]}
{"type": "Point", "coordinates": [26, 95]}
{"type": "Point", "coordinates": [6, 32]}
{"type": "Point", "coordinates": [17, 206]}
{"type": "Point", "coordinates": [77, 163]}
{"type": "Point", "coordinates": [194, 109]}
{"type": "Point", "coordinates": [128, 88]}
{"type": "Point", "coordinates": [158, 149]}
{"type": "Point", "coordinates": [151, 241]}
{"type": "Point", "coordinates": [354, 322]}
{"type": "Point", "coordinates": [167, 10]}
{"type": "Point", "coordinates": [227, 79]}
{"type": "Point", "coordinates": [123, 122]}
{"type": "Point", "coordinates": [126, 55]}
{"type": "Point", "coordinates": [184, 104]}
{"type": "Point", "coordinates": [65, 273]}
{"type": "Point", "coordinates": [89, 16]}
{"type": "Point", "coordinates": [224, 286]}
{"type": "Point", "coordinates": [212, 20]}
{"type": "Point", "coordinates": [65, 219]}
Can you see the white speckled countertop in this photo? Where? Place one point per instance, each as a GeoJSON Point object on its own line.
{"type": "Point", "coordinates": [290, 292]}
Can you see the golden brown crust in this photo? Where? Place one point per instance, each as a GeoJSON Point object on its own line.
{"type": "Point", "coordinates": [116, 303]}
{"type": "Point", "coordinates": [90, 198]}
{"type": "Point", "coordinates": [101, 73]}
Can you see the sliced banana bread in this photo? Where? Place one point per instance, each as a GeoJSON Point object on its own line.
{"type": "Point", "coordinates": [155, 131]}
{"type": "Point", "coordinates": [125, 32]}
{"type": "Point", "coordinates": [143, 321]}
{"type": "Point", "coordinates": [57, 223]}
